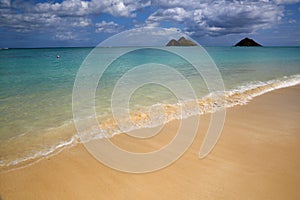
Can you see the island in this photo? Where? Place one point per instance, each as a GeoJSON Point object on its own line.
{"type": "Point", "coordinates": [247, 42]}
{"type": "Point", "coordinates": [181, 42]}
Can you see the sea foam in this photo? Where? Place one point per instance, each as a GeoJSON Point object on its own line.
{"type": "Point", "coordinates": [181, 110]}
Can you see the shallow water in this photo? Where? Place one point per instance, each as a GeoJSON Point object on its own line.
{"type": "Point", "coordinates": [36, 90]}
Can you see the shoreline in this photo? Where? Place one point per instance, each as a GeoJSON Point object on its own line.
{"type": "Point", "coordinates": [257, 157]}
{"type": "Point", "coordinates": [234, 97]}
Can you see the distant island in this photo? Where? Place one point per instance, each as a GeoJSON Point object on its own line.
{"type": "Point", "coordinates": [247, 42]}
{"type": "Point", "coordinates": [181, 42]}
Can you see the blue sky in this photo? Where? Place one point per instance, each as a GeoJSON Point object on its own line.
{"type": "Point", "coordinates": [40, 23]}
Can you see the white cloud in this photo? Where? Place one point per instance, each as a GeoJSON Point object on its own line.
{"type": "Point", "coordinates": [67, 7]}
{"type": "Point", "coordinates": [65, 36]}
{"type": "Point", "coordinates": [286, 1]}
{"type": "Point", "coordinates": [178, 3]}
{"type": "Point", "coordinates": [82, 22]}
{"type": "Point", "coordinates": [4, 3]}
{"type": "Point", "coordinates": [198, 17]}
{"type": "Point", "coordinates": [68, 15]}
{"type": "Point", "coordinates": [107, 27]}
{"type": "Point", "coordinates": [219, 17]}
{"type": "Point", "coordinates": [292, 21]}
{"type": "Point", "coordinates": [170, 14]}
{"type": "Point", "coordinates": [38, 22]}
{"type": "Point", "coordinates": [118, 8]}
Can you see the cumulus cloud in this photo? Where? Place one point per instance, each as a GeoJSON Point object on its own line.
{"type": "Point", "coordinates": [107, 27]}
{"type": "Point", "coordinates": [196, 17]}
{"type": "Point", "coordinates": [65, 8]}
{"type": "Point", "coordinates": [178, 3]}
{"type": "Point", "coordinates": [117, 8]}
{"type": "Point", "coordinates": [219, 17]}
{"type": "Point", "coordinates": [25, 16]}
{"type": "Point", "coordinates": [171, 14]}
{"type": "Point", "coordinates": [41, 22]}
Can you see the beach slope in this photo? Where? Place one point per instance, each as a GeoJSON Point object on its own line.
{"type": "Point", "coordinates": [257, 157]}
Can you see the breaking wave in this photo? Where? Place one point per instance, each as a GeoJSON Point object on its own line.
{"type": "Point", "coordinates": [153, 116]}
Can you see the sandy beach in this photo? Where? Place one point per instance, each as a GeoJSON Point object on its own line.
{"type": "Point", "coordinates": [257, 157]}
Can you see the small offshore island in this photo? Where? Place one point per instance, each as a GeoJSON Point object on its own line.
{"type": "Point", "coordinates": [247, 42]}
{"type": "Point", "coordinates": [181, 42]}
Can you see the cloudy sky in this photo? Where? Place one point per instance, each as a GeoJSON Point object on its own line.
{"type": "Point", "coordinates": [40, 23]}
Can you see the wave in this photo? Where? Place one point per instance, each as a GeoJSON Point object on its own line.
{"type": "Point", "coordinates": [153, 116]}
{"type": "Point", "coordinates": [39, 154]}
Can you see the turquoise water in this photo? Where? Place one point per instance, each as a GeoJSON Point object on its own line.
{"type": "Point", "coordinates": [36, 87]}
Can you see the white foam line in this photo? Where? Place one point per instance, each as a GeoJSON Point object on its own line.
{"type": "Point", "coordinates": [41, 154]}
{"type": "Point", "coordinates": [272, 85]}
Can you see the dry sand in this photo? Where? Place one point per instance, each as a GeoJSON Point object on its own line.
{"type": "Point", "coordinates": [257, 157]}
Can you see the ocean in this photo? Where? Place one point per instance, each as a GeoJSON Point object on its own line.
{"type": "Point", "coordinates": [37, 90]}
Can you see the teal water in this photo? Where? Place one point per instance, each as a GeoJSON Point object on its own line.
{"type": "Point", "coordinates": [36, 88]}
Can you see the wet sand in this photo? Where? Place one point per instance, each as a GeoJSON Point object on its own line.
{"type": "Point", "coordinates": [256, 157]}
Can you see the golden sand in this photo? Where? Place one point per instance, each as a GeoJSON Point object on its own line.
{"type": "Point", "coordinates": [257, 157]}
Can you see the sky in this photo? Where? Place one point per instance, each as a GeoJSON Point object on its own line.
{"type": "Point", "coordinates": [75, 23]}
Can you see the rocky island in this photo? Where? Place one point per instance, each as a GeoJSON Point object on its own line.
{"type": "Point", "coordinates": [247, 42]}
{"type": "Point", "coordinates": [181, 42]}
